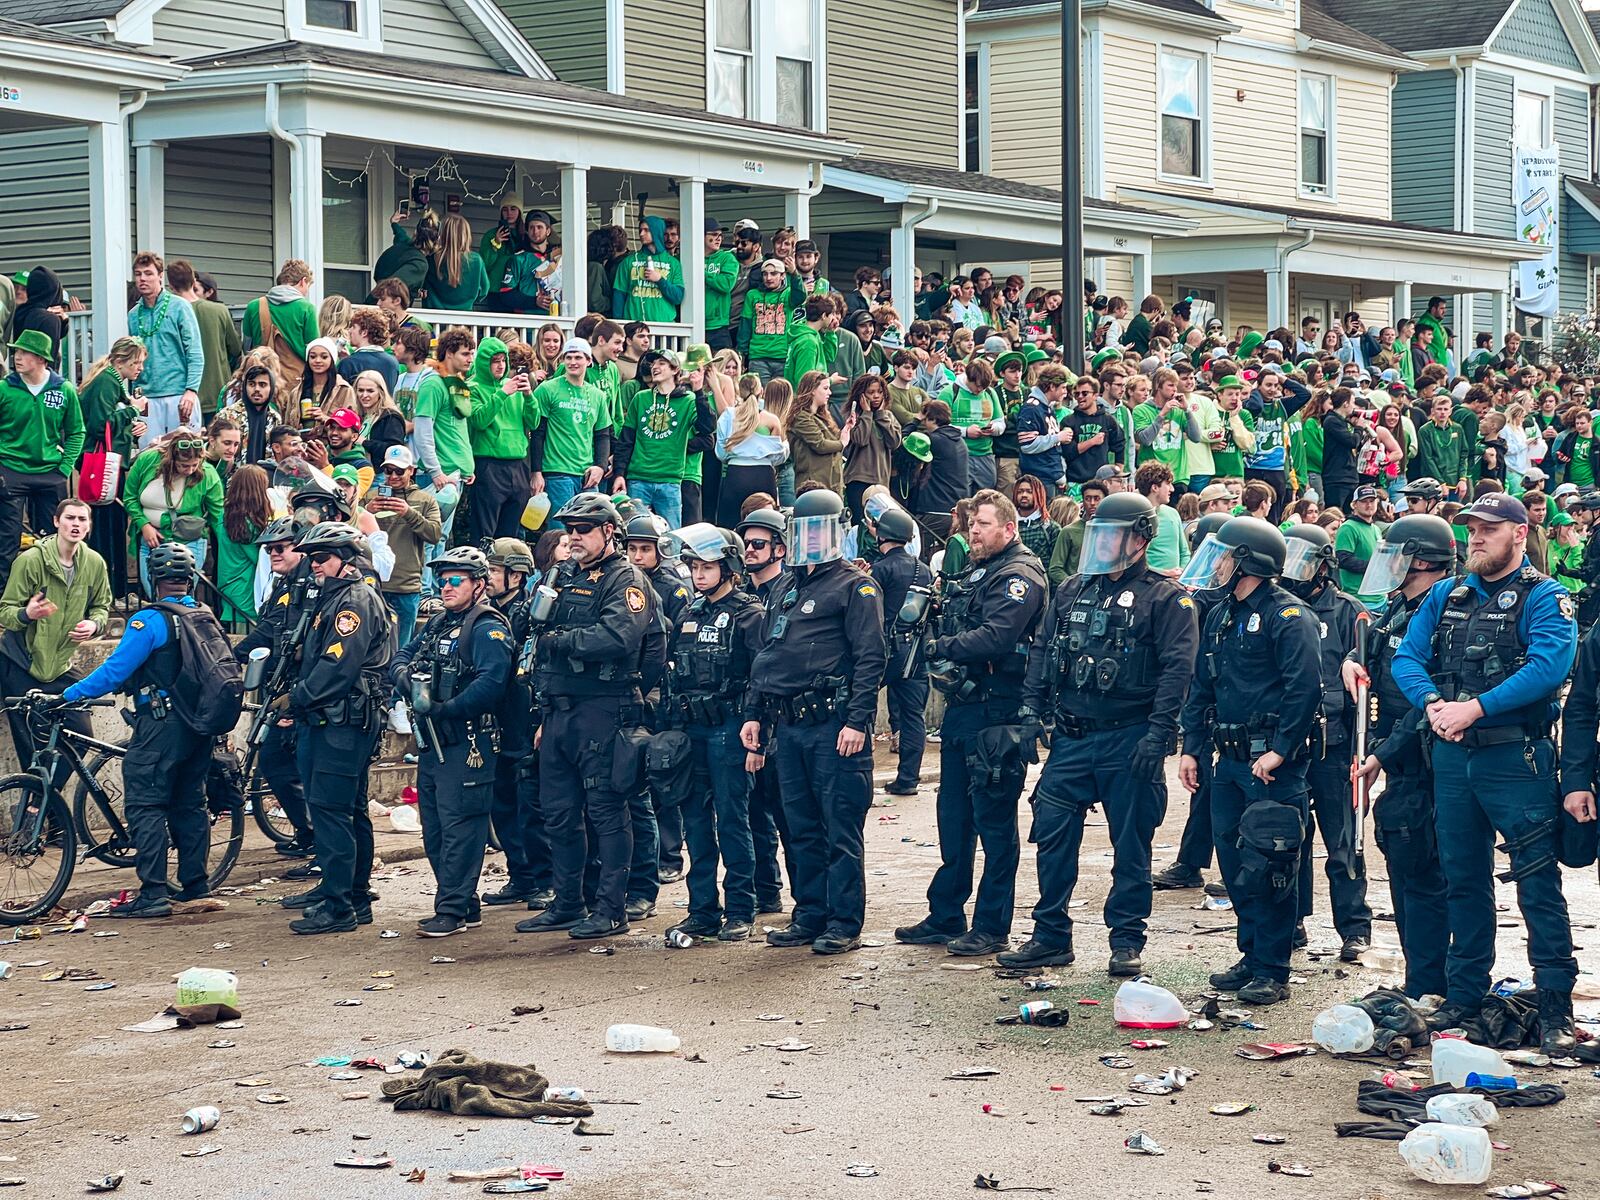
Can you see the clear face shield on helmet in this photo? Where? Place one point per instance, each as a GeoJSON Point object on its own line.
{"type": "Point", "coordinates": [1386, 570]}
{"type": "Point", "coordinates": [1303, 561]}
{"type": "Point", "coordinates": [815, 540]}
{"type": "Point", "coordinates": [1211, 567]}
{"type": "Point", "coordinates": [1109, 547]}
{"type": "Point", "coordinates": [701, 541]}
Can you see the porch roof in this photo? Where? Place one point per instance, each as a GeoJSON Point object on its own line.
{"type": "Point", "coordinates": [1581, 231]}
{"type": "Point", "coordinates": [58, 76]}
{"type": "Point", "coordinates": [1241, 236]}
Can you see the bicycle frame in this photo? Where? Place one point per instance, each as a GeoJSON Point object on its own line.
{"type": "Point", "coordinates": [58, 748]}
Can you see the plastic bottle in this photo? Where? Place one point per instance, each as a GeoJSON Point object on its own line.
{"type": "Point", "coordinates": [204, 985]}
{"type": "Point", "coordinates": [571, 1095]}
{"type": "Point", "coordinates": [1343, 1029]}
{"type": "Point", "coordinates": [641, 1039]}
{"type": "Point", "coordinates": [1454, 1059]}
{"type": "Point", "coordinates": [535, 512]}
{"type": "Point", "coordinates": [1462, 1108]}
{"type": "Point", "coordinates": [1141, 1004]}
{"type": "Point", "coordinates": [1448, 1153]}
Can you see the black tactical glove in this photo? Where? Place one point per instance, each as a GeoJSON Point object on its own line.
{"type": "Point", "coordinates": [1150, 757]}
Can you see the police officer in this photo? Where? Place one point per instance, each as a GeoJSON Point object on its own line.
{"type": "Point", "coordinates": [896, 571]}
{"type": "Point", "coordinates": [603, 644]}
{"type": "Point", "coordinates": [518, 826]}
{"type": "Point", "coordinates": [455, 672]}
{"type": "Point", "coordinates": [977, 662]}
{"type": "Point", "coordinates": [814, 688]}
{"type": "Point", "coordinates": [1255, 696]}
{"type": "Point", "coordinates": [1308, 573]}
{"type": "Point", "coordinates": [1499, 645]}
{"type": "Point", "coordinates": [164, 771]}
{"type": "Point", "coordinates": [1111, 661]}
{"type": "Point", "coordinates": [713, 645]}
{"type": "Point", "coordinates": [1423, 495]}
{"type": "Point", "coordinates": [766, 576]}
{"type": "Point", "coordinates": [1194, 846]}
{"type": "Point", "coordinates": [281, 628]}
{"type": "Point", "coordinates": [1417, 551]}
{"type": "Point", "coordinates": [335, 705]}
{"type": "Point", "coordinates": [646, 537]}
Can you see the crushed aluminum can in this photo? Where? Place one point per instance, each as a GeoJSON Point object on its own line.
{"type": "Point", "coordinates": [679, 940]}
{"type": "Point", "coordinates": [201, 1119]}
{"type": "Point", "coordinates": [1117, 1062]}
{"type": "Point", "coordinates": [861, 1170]}
{"type": "Point", "coordinates": [6, 969]}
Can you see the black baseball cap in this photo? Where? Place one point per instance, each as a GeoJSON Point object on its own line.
{"type": "Point", "coordinates": [1496, 506]}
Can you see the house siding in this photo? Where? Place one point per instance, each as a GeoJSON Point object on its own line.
{"type": "Point", "coordinates": [570, 35]}
{"type": "Point", "coordinates": [1361, 146]}
{"type": "Point", "coordinates": [45, 174]}
{"type": "Point", "coordinates": [1491, 181]}
{"type": "Point", "coordinates": [1423, 142]}
{"type": "Point", "coordinates": [1571, 119]}
{"type": "Point", "coordinates": [185, 28]}
{"type": "Point", "coordinates": [429, 29]}
{"type": "Point", "coordinates": [665, 50]}
{"type": "Point", "coordinates": [901, 114]}
{"type": "Point", "coordinates": [1129, 70]}
{"type": "Point", "coordinates": [219, 212]}
{"type": "Point", "coordinates": [1024, 117]}
{"type": "Point", "coordinates": [1533, 31]}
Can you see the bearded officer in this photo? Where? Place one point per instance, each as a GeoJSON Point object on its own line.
{"type": "Point", "coordinates": [1484, 659]}
{"type": "Point", "coordinates": [1111, 662]}
{"type": "Point", "coordinates": [1257, 688]}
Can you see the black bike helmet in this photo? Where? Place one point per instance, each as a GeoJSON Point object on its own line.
{"type": "Point", "coordinates": [1257, 544]}
{"type": "Point", "coordinates": [462, 558]}
{"type": "Point", "coordinates": [769, 519]}
{"type": "Point", "coordinates": [171, 561]}
{"type": "Point", "coordinates": [1203, 525]}
{"type": "Point", "coordinates": [281, 529]}
{"type": "Point", "coordinates": [589, 508]}
{"type": "Point", "coordinates": [896, 525]}
{"type": "Point", "coordinates": [335, 537]}
{"type": "Point", "coordinates": [1425, 488]}
{"type": "Point", "coordinates": [511, 553]}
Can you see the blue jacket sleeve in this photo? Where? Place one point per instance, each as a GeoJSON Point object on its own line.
{"type": "Point", "coordinates": [193, 351]}
{"type": "Point", "coordinates": [146, 633]}
{"type": "Point", "coordinates": [1552, 640]}
{"type": "Point", "coordinates": [1415, 656]}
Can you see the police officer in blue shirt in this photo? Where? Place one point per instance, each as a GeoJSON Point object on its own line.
{"type": "Point", "coordinates": [1484, 658]}
{"type": "Point", "coordinates": [1257, 688]}
{"type": "Point", "coordinates": [164, 772]}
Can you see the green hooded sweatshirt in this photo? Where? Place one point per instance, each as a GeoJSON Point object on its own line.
{"type": "Point", "coordinates": [86, 598]}
{"type": "Point", "coordinates": [806, 353]}
{"type": "Point", "coordinates": [43, 432]}
{"type": "Point", "coordinates": [722, 272]}
{"type": "Point", "coordinates": [635, 298]}
{"type": "Point", "coordinates": [500, 421]}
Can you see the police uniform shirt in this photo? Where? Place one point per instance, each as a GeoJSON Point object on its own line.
{"type": "Point", "coordinates": [281, 612]}
{"type": "Point", "coordinates": [1006, 596]}
{"type": "Point", "coordinates": [350, 635]}
{"type": "Point", "coordinates": [603, 621]}
{"type": "Point", "coordinates": [148, 632]}
{"type": "Point", "coordinates": [1395, 727]}
{"type": "Point", "coordinates": [1259, 659]}
{"type": "Point", "coordinates": [714, 644]}
{"type": "Point", "coordinates": [672, 593]}
{"type": "Point", "coordinates": [485, 659]}
{"type": "Point", "coordinates": [1164, 626]}
{"type": "Point", "coordinates": [1335, 613]}
{"type": "Point", "coordinates": [894, 573]}
{"type": "Point", "coordinates": [829, 623]}
{"type": "Point", "coordinates": [1545, 623]}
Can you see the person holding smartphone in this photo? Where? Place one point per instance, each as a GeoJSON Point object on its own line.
{"type": "Point", "coordinates": [501, 420]}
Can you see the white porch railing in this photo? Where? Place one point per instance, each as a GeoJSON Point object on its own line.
{"type": "Point", "coordinates": [78, 352]}
{"type": "Point", "coordinates": [673, 336]}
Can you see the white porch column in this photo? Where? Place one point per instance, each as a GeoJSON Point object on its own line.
{"type": "Point", "coordinates": [1402, 303]}
{"type": "Point", "coordinates": [1464, 324]}
{"type": "Point", "coordinates": [1140, 264]}
{"type": "Point", "coordinates": [1277, 298]}
{"type": "Point", "coordinates": [1499, 317]}
{"type": "Point", "coordinates": [305, 206]}
{"type": "Point", "coordinates": [575, 240]}
{"type": "Point", "coordinates": [150, 190]}
{"type": "Point", "coordinates": [691, 226]}
{"type": "Point", "coordinates": [903, 267]}
{"type": "Point", "coordinates": [111, 262]}
{"type": "Point", "coordinates": [797, 213]}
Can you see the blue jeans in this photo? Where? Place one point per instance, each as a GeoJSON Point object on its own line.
{"type": "Point", "coordinates": [404, 606]}
{"type": "Point", "coordinates": [198, 549]}
{"type": "Point", "coordinates": [786, 485]}
{"type": "Point", "coordinates": [716, 822]}
{"type": "Point", "coordinates": [449, 499]}
{"type": "Point", "coordinates": [560, 489]}
{"type": "Point", "coordinates": [663, 499]}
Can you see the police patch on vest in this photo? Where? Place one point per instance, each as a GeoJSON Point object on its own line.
{"type": "Point", "coordinates": [1185, 602]}
{"type": "Point", "coordinates": [866, 589]}
{"type": "Point", "coordinates": [347, 622]}
{"type": "Point", "coordinates": [497, 635]}
{"type": "Point", "coordinates": [635, 599]}
{"type": "Point", "coordinates": [1017, 589]}
{"type": "Point", "coordinates": [722, 620]}
{"type": "Point", "coordinates": [1569, 610]}
{"type": "Point", "coordinates": [690, 626]}
{"type": "Point", "coordinates": [978, 574]}
{"type": "Point", "coordinates": [1289, 612]}
{"type": "Point", "coordinates": [1507, 599]}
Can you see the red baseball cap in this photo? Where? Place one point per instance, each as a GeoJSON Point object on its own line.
{"type": "Point", "coordinates": [345, 418]}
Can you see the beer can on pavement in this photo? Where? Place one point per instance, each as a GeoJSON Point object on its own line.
{"type": "Point", "coordinates": [199, 1120]}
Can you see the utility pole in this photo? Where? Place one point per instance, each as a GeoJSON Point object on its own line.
{"type": "Point", "coordinates": [1072, 184]}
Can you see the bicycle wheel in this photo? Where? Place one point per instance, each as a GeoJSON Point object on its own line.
{"type": "Point", "coordinates": [111, 845]}
{"type": "Point", "coordinates": [36, 860]}
{"type": "Point", "coordinates": [263, 805]}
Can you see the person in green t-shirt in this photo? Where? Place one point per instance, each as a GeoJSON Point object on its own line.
{"type": "Point", "coordinates": [653, 438]}
{"type": "Point", "coordinates": [722, 273]}
{"type": "Point", "coordinates": [572, 441]}
{"type": "Point", "coordinates": [975, 410]}
{"type": "Point", "coordinates": [1357, 542]}
{"type": "Point", "coordinates": [648, 284]}
{"type": "Point", "coordinates": [1575, 451]}
{"type": "Point", "coordinates": [607, 341]}
{"type": "Point", "coordinates": [764, 321]}
{"type": "Point", "coordinates": [1161, 423]}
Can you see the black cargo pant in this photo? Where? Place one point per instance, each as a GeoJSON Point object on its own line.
{"type": "Point", "coordinates": [164, 788]}
{"type": "Point", "coordinates": [334, 760]}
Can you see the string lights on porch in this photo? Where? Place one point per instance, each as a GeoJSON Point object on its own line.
{"type": "Point", "coordinates": [446, 170]}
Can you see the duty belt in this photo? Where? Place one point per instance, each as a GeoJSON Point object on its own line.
{"type": "Point", "coordinates": [701, 709]}
{"type": "Point", "coordinates": [810, 707]}
{"type": "Point", "coordinates": [1499, 735]}
{"type": "Point", "coordinates": [1246, 743]}
{"type": "Point", "coordinates": [1075, 726]}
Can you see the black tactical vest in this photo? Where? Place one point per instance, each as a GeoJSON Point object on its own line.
{"type": "Point", "coordinates": [1098, 650]}
{"type": "Point", "coordinates": [702, 659]}
{"type": "Point", "coordinates": [1477, 644]}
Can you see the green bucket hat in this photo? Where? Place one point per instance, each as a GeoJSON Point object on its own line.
{"type": "Point", "coordinates": [918, 446]}
{"type": "Point", "coordinates": [1032, 354]}
{"type": "Point", "coordinates": [697, 357]}
{"type": "Point", "coordinates": [1011, 358]}
{"type": "Point", "coordinates": [1230, 381]}
{"type": "Point", "coordinates": [35, 341]}
{"type": "Point", "coordinates": [1109, 354]}
{"type": "Point", "coordinates": [1248, 343]}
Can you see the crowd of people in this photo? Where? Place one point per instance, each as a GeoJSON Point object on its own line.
{"type": "Point", "coordinates": [744, 543]}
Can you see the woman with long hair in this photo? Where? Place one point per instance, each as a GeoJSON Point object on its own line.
{"type": "Point", "coordinates": [750, 444]}
{"type": "Point", "coordinates": [223, 440]}
{"type": "Point", "coordinates": [382, 423]}
{"type": "Point", "coordinates": [551, 550]}
{"type": "Point", "coordinates": [777, 402]}
{"type": "Point", "coordinates": [815, 440]}
{"type": "Point", "coordinates": [111, 422]}
{"type": "Point", "coordinates": [547, 345]}
{"type": "Point", "coordinates": [323, 391]}
{"type": "Point", "coordinates": [606, 245]}
{"type": "Point", "coordinates": [333, 320]}
{"type": "Point", "coordinates": [246, 510]}
{"type": "Point", "coordinates": [871, 435]}
{"type": "Point", "coordinates": [456, 277]}
{"type": "Point", "coordinates": [173, 495]}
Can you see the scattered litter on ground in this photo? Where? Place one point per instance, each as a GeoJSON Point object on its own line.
{"type": "Point", "coordinates": [201, 1151]}
{"type": "Point", "coordinates": [861, 1170]}
{"type": "Point", "coordinates": [253, 1082]}
{"type": "Point", "coordinates": [991, 1183]}
{"type": "Point", "coordinates": [1270, 1139]}
{"type": "Point", "coordinates": [106, 1183]}
{"type": "Point", "coordinates": [272, 1098]}
{"type": "Point", "coordinates": [1117, 1062]}
{"type": "Point", "coordinates": [202, 1118]}
{"type": "Point", "coordinates": [1266, 1051]}
{"type": "Point", "coordinates": [1299, 1170]}
{"type": "Point", "coordinates": [526, 1010]}
{"type": "Point", "coordinates": [1231, 1110]}
{"type": "Point", "coordinates": [977, 1073]}
{"type": "Point", "coordinates": [1140, 1142]}
{"type": "Point", "coordinates": [16, 1118]}
{"type": "Point", "coordinates": [1526, 1189]}
{"type": "Point", "coordinates": [375, 1162]}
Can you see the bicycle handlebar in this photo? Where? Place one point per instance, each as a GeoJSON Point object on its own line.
{"type": "Point", "coordinates": [30, 702]}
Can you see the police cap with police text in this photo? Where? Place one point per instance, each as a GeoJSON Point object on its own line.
{"type": "Point", "coordinates": [1495, 506]}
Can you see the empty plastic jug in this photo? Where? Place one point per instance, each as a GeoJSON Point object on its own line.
{"type": "Point", "coordinates": [204, 985]}
{"type": "Point", "coordinates": [1462, 1108]}
{"type": "Point", "coordinates": [1141, 1004]}
{"type": "Point", "coordinates": [1343, 1029]}
{"type": "Point", "coordinates": [535, 512]}
{"type": "Point", "coordinates": [1454, 1059]}
{"type": "Point", "coordinates": [1448, 1153]}
{"type": "Point", "coordinates": [641, 1039]}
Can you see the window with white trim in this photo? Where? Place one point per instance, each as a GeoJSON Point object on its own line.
{"type": "Point", "coordinates": [1182, 99]}
{"type": "Point", "coordinates": [764, 61]}
{"type": "Point", "coordinates": [346, 236]}
{"type": "Point", "coordinates": [348, 23]}
{"type": "Point", "coordinates": [1530, 120]}
{"type": "Point", "coordinates": [1316, 135]}
{"type": "Point", "coordinates": [972, 114]}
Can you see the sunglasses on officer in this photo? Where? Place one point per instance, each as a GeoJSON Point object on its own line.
{"type": "Point", "coordinates": [579, 527]}
{"type": "Point", "coordinates": [276, 548]}
{"type": "Point", "coordinates": [318, 557]}
{"type": "Point", "coordinates": [452, 580]}
{"type": "Point", "coordinates": [757, 543]}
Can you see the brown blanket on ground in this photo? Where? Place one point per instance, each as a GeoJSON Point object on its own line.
{"type": "Point", "coordinates": [468, 1086]}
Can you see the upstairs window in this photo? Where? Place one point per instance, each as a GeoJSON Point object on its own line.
{"type": "Point", "coordinates": [764, 59]}
{"type": "Point", "coordinates": [1530, 125]}
{"type": "Point", "coordinates": [351, 24]}
{"type": "Point", "coordinates": [732, 48]}
{"type": "Point", "coordinates": [1182, 114]}
{"type": "Point", "coordinates": [1316, 143]}
{"type": "Point", "coordinates": [332, 14]}
{"type": "Point", "coordinates": [972, 114]}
